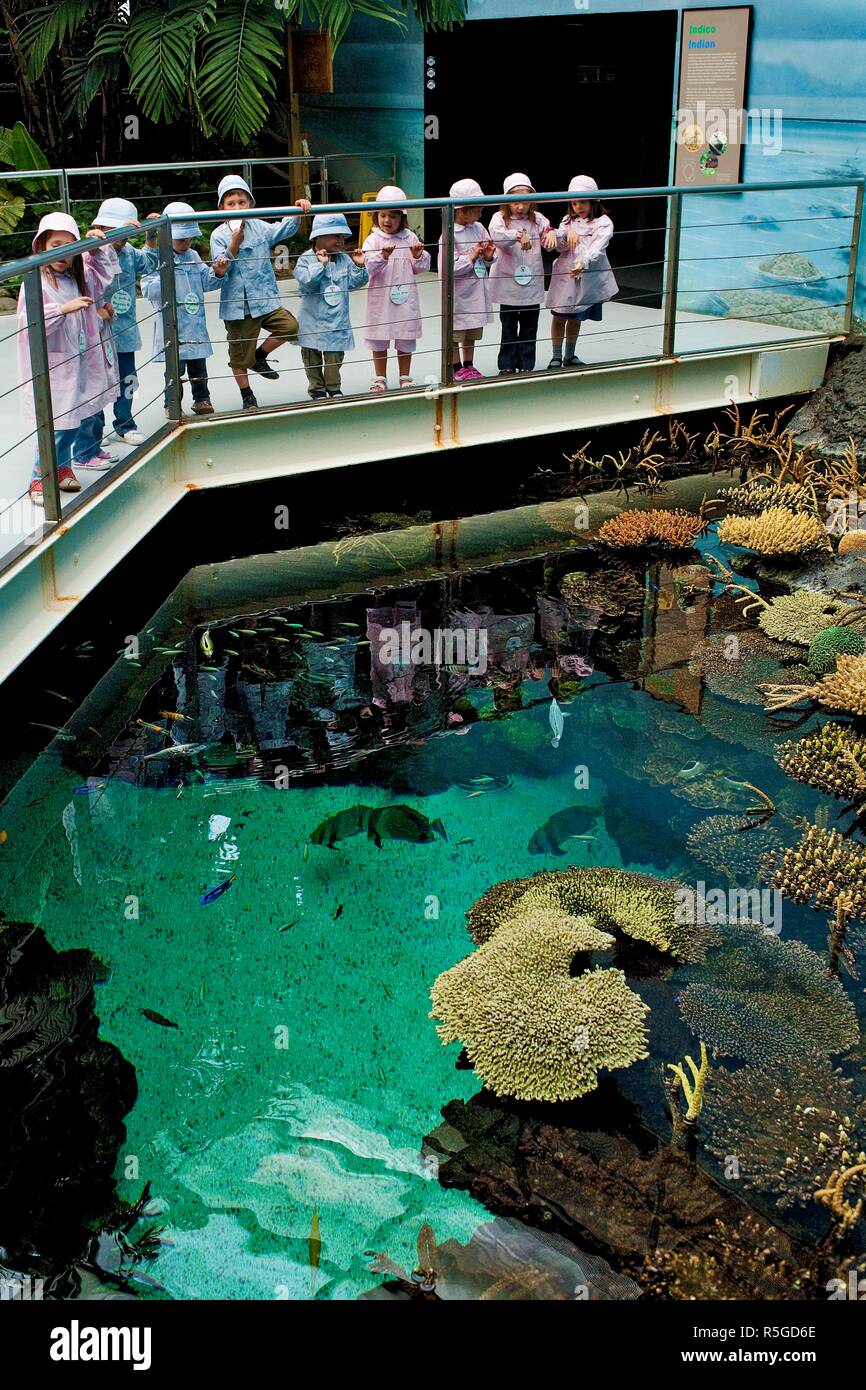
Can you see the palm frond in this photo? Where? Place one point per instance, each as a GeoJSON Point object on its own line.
{"type": "Point", "coordinates": [11, 208]}
{"type": "Point", "coordinates": [160, 47]}
{"type": "Point", "coordinates": [240, 58]}
{"type": "Point", "coordinates": [48, 27]}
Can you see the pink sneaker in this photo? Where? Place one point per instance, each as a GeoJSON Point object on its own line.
{"type": "Point", "coordinates": [95, 464]}
{"type": "Point", "coordinates": [472, 374]}
{"type": "Point", "coordinates": [463, 374]}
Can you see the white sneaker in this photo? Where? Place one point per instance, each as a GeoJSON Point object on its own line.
{"type": "Point", "coordinates": [131, 437]}
{"type": "Point", "coordinates": [94, 465]}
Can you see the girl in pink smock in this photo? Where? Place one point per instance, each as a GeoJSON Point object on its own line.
{"type": "Point", "coordinates": [581, 278]}
{"type": "Point", "coordinates": [517, 274]}
{"type": "Point", "coordinates": [83, 370]}
{"type": "Point", "coordinates": [393, 257]}
{"type": "Point", "coordinates": [474, 252]}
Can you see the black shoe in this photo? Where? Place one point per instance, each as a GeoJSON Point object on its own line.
{"type": "Point", "coordinates": [318, 394]}
{"type": "Point", "coordinates": [202, 408]}
{"type": "Point", "coordinates": [555, 361]}
{"type": "Point", "coordinates": [260, 365]}
{"type": "Point", "coordinates": [572, 362]}
{"type": "Point", "coordinates": [332, 394]}
{"type": "Point", "coordinates": [248, 400]}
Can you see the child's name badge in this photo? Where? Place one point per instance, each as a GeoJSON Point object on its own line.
{"type": "Point", "coordinates": [191, 303]}
{"type": "Point", "coordinates": [332, 294]}
{"type": "Point", "coordinates": [523, 275]}
{"type": "Point", "coordinates": [121, 301]}
{"type": "Point", "coordinates": [82, 340]}
{"type": "Point", "coordinates": [480, 268]}
{"type": "Point", "coordinates": [398, 294]}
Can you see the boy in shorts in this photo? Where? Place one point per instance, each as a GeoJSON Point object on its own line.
{"type": "Point", "coordinates": [249, 298]}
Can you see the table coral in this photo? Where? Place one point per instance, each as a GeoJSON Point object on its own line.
{"type": "Point", "coordinates": [776, 531]}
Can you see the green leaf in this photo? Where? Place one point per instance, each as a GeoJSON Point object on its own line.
{"type": "Point", "coordinates": [241, 56]}
{"type": "Point", "coordinates": [160, 49]}
{"type": "Point", "coordinates": [48, 27]}
{"type": "Point", "coordinates": [11, 208]}
{"type": "Point", "coordinates": [26, 154]}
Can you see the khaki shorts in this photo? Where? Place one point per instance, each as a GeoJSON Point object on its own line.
{"type": "Point", "coordinates": [243, 334]}
{"type": "Point", "coordinates": [468, 335]}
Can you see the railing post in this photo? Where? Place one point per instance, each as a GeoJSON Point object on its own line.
{"type": "Point", "coordinates": [446, 281]}
{"type": "Point", "coordinates": [672, 261]}
{"type": "Point", "coordinates": [39, 370]}
{"type": "Point", "coordinates": [168, 295]}
{"type": "Point", "coordinates": [856, 225]}
{"type": "Point", "coordinates": [248, 174]}
{"type": "Point", "coordinates": [324, 191]}
{"type": "Point", "coordinates": [64, 191]}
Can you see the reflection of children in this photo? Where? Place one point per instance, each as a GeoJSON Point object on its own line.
{"type": "Point", "coordinates": [473, 253]}
{"type": "Point", "coordinates": [326, 274]}
{"type": "Point", "coordinates": [82, 377]}
{"type": "Point", "coordinates": [250, 299]}
{"type": "Point", "coordinates": [191, 278]}
{"type": "Point", "coordinates": [393, 256]}
{"type": "Point", "coordinates": [581, 278]}
{"type": "Point", "coordinates": [517, 274]}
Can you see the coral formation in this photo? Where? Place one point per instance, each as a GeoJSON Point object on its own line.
{"type": "Point", "coordinates": [819, 867]}
{"type": "Point", "coordinates": [730, 844]}
{"type": "Point", "coordinates": [640, 905]}
{"type": "Point", "coordinates": [851, 541]}
{"type": "Point", "coordinates": [753, 497]}
{"type": "Point", "coordinates": [800, 616]}
{"type": "Point", "coordinates": [776, 531]}
{"type": "Point", "coordinates": [832, 758]}
{"type": "Point", "coordinates": [613, 592]}
{"type": "Point", "coordinates": [842, 689]}
{"type": "Point", "coordinates": [766, 1000]}
{"type": "Point", "coordinates": [530, 1030]}
{"type": "Point", "coordinates": [783, 1147]}
{"type": "Point", "coordinates": [638, 530]}
{"type": "Point", "coordinates": [693, 1089]}
{"type": "Point", "coordinates": [832, 643]}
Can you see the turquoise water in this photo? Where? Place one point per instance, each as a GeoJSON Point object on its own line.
{"type": "Point", "coordinates": [304, 1071]}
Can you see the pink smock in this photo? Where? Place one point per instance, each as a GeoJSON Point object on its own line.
{"type": "Point", "coordinates": [517, 276]}
{"type": "Point", "coordinates": [597, 282]}
{"type": "Point", "coordinates": [81, 357]}
{"type": "Point", "coordinates": [471, 291]}
{"type": "Point", "coordinates": [393, 306]}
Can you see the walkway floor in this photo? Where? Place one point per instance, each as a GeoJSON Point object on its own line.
{"type": "Point", "coordinates": [627, 332]}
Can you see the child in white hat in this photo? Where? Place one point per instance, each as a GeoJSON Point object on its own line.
{"type": "Point", "coordinates": [581, 279]}
{"type": "Point", "coordinates": [474, 252]}
{"type": "Point", "coordinates": [393, 256]}
{"type": "Point", "coordinates": [82, 370]}
{"type": "Point", "coordinates": [326, 274]}
{"type": "Point", "coordinates": [517, 275]}
{"type": "Point", "coordinates": [192, 278]}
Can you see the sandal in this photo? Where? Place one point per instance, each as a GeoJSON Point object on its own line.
{"type": "Point", "coordinates": [406, 382]}
{"type": "Point", "coordinates": [379, 383]}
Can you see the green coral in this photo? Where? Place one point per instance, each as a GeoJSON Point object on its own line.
{"type": "Point", "coordinates": [640, 905]}
{"type": "Point", "coordinates": [800, 616]}
{"type": "Point", "coordinates": [832, 758]}
{"type": "Point", "coordinates": [831, 643]}
{"type": "Point", "coordinates": [530, 1030]}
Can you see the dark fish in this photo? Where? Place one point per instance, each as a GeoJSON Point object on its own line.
{"type": "Point", "coordinates": [465, 842]}
{"type": "Point", "coordinates": [387, 990]}
{"type": "Point", "coordinates": [380, 823]}
{"type": "Point", "coordinates": [339, 911]}
{"type": "Point", "coordinates": [561, 826]}
{"type": "Point", "coordinates": [289, 925]}
{"type": "Point", "coordinates": [213, 893]}
{"type": "Point", "coordinates": [160, 1019]}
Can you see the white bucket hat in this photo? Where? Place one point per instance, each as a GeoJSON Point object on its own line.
{"type": "Point", "coordinates": [116, 212]}
{"type": "Point", "coordinates": [391, 194]}
{"type": "Point", "coordinates": [56, 222]}
{"type": "Point", "coordinates": [233, 181]}
{"type": "Point", "coordinates": [582, 183]}
{"type": "Point", "coordinates": [181, 230]}
{"type": "Point", "coordinates": [329, 224]}
{"type": "Point", "coordinates": [517, 181]}
{"type": "Point", "coordinates": [465, 188]}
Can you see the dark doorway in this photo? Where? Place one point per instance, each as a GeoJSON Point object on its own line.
{"type": "Point", "coordinates": [554, 97]}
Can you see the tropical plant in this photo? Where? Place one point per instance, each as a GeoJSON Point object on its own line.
{"type": "Point", "coordinates": [20, 151]}
{"type": "Point", "coordinates": [214, 61]}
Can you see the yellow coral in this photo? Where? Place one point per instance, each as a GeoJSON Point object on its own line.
{"type": "Point", "coordinates": [843, 689]}
{"type": "Point", "coordinates": [852, 540]}
{"type": "Point", "coordinates": [775, 531]}
{"type": "Point", "coordinates": [636, 530]}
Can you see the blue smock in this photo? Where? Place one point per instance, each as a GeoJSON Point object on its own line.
{"type": "Point", "coordinates": [120, 294]}
{"type": "Point", "coordinates": [323, 290]}
{"type": "Point", "coordinates": [191, 278]}
{"type": "Point", "coordinates": [250, 285]}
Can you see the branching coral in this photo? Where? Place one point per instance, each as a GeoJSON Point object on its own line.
{"type": "Point", "coordinates": [757, 496]}
{"type": "Point", "coordinates": [767, 1000]}
{"type": "Point", "coordinates": [639, 530]}
{"type": "Point", "coordinates": [832, 758]}
{"type": "Point", "coordinates": [640, 905]}
{"type": "Point", "coordinates": [832, 643]}
{"type": "Point", "coordinates": [800, 616]}
{"type": "Point", "coordinates": [614, 591]}
{"type": "Point", "coordinates": [833, 1197]}
{"type": "Point", "coordinates": [692, 1090]}
{"type": "Point", "coordinates": [819, 867]}
{"type": "Point", "coordinates": [748, 1115]}
{"type": "Point", "coordinates": [843, 689]}
{"type": "Point", "coordinates": [530, 1030]}
{"type": "Point", "coordinates": [730, 844]}
{"type": "Point", "coordinates": [775, 532]}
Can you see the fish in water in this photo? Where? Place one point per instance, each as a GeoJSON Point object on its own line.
{"type": "Point", "coordinates": [177, 750]}
{"type": "Point", "coordinates": [557, 723]}
{"type": "Point", "coordinates": [573, 822]}
{"type": "Point", "coordinates": [315, 1248]}
{"type": "Point", "coordinates": [465, 842]}
{"type": "Point", "coordinates": [160, 1019]}
{"type": "Point", "coordinates": [206, 644]}
{"type": "Point", "coordinates": [380, 823]}
{"type": "Point", "coordinates": [172, 714]}
{"type": "Point", "coordinates": [213, 893]}
{"type": "Point", "coordinates": [289, 925]}
{"type": "Point", "coordinates": [339, 911]}
{"type": "Point", "coordinates": [486, 783]}
{"type": "Point", "coordinates": [87, 790]}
